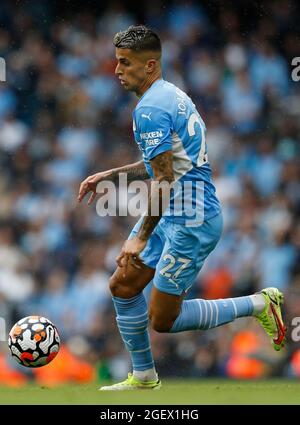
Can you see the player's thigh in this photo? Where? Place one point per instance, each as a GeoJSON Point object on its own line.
{"type": "Point", "coordinates": [184, 253]}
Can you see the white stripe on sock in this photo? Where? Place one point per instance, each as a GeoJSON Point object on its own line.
{"type": "Point", "coordinates": [200, 315]}
{"type": "Point", "coordinates": [132, 333]}
{"type": "Point", "coordinates": [211, 314]}
{"type": "Point", "coordinates": [205, 313]}
{"type": "Point", "coordinates": [234, 306]}
{"type": "Point", "coordinates": [129, 323]}
{"type": "Point", "coordinates": [141, 351]}
{"type": "Point", "coordinates": [131, 317]}
{"type": "Point", "coordinates": [138, 327]}
{"type": "Point", "coordinates": [217, 313]}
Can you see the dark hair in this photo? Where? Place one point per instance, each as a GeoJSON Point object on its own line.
{"type": "Point", "coordinates": [138, 38]}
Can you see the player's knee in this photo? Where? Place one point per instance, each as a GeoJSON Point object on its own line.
{"type": "Point", "coordinates": [118, 288]}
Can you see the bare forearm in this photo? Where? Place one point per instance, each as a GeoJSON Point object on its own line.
{"type": "Point", "coordinates": [152, 218]}
{"type": "Point", "coordinates": [136, 171]}
{"type": "Point", "coordinates": [160, 193]}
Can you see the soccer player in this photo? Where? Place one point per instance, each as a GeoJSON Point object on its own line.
{"type": "Point", "coordinates": [169, 247]}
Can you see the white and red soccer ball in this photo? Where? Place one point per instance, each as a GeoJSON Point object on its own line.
{"type": "Point", "coordinates": [34, 341]}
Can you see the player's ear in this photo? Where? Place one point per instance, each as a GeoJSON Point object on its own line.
{"type": "Point", "coordinates": [150, 66]}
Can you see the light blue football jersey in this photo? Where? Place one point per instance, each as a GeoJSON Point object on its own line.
{"type": "Point", "coordinates": [165, 119]}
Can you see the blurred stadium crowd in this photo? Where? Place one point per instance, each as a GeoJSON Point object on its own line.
{"type": "Point", "coordinates": [64, 116]}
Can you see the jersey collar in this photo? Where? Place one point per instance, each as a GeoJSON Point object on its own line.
{"type": "Point", "coordinates": [156, 82]}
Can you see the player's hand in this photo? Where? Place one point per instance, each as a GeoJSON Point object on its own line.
{"type": "Point", "coordinates": [90, 185]}
{"type": "Point", "coordinates": [130, 253]}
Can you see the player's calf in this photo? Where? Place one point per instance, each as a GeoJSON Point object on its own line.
{"type": "Point", "coordinates": [163, 310]}
{"type": "Point", "coordinates": [160, 324]}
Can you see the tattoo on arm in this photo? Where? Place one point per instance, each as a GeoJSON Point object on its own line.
{"type": "Point", "coordinates": [136, 171]}
{"type": "Point", "coordinates": [162, 166]}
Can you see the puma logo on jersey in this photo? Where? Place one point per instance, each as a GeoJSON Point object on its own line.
{"type": "Point", "coordinates": [147, 116]}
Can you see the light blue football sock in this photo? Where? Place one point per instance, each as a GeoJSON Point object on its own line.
{"type": "Point", "coordinates": [207, 314]}
{"type": "Point", "coordinates": [132, 320]}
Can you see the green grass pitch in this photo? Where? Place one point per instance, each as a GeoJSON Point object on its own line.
{"type": "Point", "coordinates": [173, 392]}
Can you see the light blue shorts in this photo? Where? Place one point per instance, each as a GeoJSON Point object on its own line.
{"type": "Point", "coordinates": [177, 252]}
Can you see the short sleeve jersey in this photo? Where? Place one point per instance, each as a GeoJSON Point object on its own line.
{"type": "Point", "coordinates": [166, 119]}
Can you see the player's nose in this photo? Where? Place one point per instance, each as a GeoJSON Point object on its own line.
{"type": "Point", "coordinates": [117, 70]}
